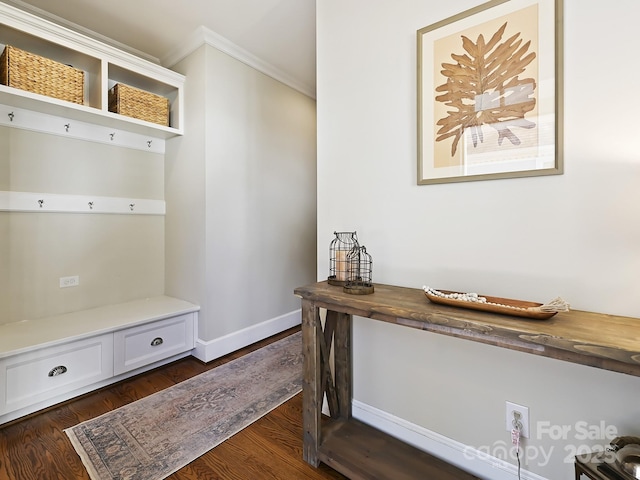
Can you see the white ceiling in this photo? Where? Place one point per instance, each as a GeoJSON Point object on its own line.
{"type": "Point", "coordinates": [280, 33]}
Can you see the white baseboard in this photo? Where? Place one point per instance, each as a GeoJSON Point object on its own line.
{"type": "Point", "coordinates": [208, 351]}
{"type": "Point", "coordinates": [468, 458]}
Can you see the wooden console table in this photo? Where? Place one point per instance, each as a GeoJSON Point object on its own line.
{"type": "Point", "coordinates": [361, 452]}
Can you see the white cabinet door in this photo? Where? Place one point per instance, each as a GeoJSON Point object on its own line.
{"type": "Point", "coordinates": [139, 346]}
{"type": "Point", "coordinates": [32, 377]}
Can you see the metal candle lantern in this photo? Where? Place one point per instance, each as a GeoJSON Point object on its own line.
{"type": "Point", "coordinates": [338, 251]}
{"type": "Point", "coordinates": [360, 268]}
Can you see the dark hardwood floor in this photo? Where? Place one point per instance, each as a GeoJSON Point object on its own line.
{"type": "Point", "coordinates": [36, 447]}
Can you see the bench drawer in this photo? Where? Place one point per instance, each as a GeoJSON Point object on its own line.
{"type": "Point", "coordinates": [139, 346]}
{"type": "Point", "coordinates": [32, 377]}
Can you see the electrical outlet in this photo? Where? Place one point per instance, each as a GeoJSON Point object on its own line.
{"type": "Point", "coordinates": [72, 281]}
{"type": "Point", "coordinates": [522, 413]}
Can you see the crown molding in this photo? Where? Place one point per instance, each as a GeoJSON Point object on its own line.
{"type": "Point", "coordinates": [58, 30]}
{"type": "Point", "coordinates": [61, 22]}
{"type": "Point", "coordinates": [204, 36]}
{"type": "Point", "coordinates": [42, 25]}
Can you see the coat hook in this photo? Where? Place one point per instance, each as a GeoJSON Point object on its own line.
{"type": "Point", "coordinates": [131, 205]}
{"type": "Point", "coordinates": [41, 203]}
{"type": "Point", "coordinates": [66, 126]}
{"type": "Point", "coordinates": [149, 143]}
{"type": "Point", "coordinates": [112, 135]}
{"type": "Point", "coordinates": [11, 115]}
{"type": "Point", "coordinates": [90, 205]}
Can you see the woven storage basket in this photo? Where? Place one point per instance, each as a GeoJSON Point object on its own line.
{"type": "Point", "coordinates": [36, 74]}
{"type": "Point", "coordinates": [139, 104]}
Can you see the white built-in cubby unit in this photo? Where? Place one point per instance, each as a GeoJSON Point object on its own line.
{"type": "Point", "coordinates": [52, 359]}
{"type": "Point", "coordinates": [103, 65]}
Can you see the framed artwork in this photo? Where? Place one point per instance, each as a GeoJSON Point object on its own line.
{"type": "Point", "coordinates": [490, 93]}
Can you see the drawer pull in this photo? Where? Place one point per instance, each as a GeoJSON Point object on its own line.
{"type": "Point", "coordinates": [157, 341]}
{"type": "Point", "coordinates": [59, 370]}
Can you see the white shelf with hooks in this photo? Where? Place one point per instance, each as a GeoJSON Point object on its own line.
{"type": "Point", "coordinates": [57, 203]}
{"type": "Point", "coordinates": [69, 126]}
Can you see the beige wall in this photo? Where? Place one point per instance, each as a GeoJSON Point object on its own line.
{"type": "Point", "coordinates": [5, 294]}
{"type": "Point", "coordinates": [185, 191]}
{"type": "Point", "coordinates": [42, 162]}
{"type": "Point", "coordinates": [248, 167]}
{"type": "Point", "coordinates": [117, 257]}
{"type": "Point", "coordinates": [573, 235]}
{"type": "Point", "coordinates": [5, 277]}
{"type": "Point", "coordinates": [5, 159]}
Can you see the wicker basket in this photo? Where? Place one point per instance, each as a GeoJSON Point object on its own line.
{"type": "Point", "coordinates": [36, 74]}
{"type": "Point", "coordinates": [136, 103]}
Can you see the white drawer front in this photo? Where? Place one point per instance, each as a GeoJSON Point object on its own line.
{"type": "Point", "coordinates": [32, 377]}
{"type": "Point", "coordinates": [139, 346]}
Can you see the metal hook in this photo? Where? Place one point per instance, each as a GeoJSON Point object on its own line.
{"type": "Point", "coordinates": [149, 143]}
{"type": "Point", "coordinates": [66, 126]}
{"type": "Point", "coordinates": [131, 205]}
{"type": "Point", "coordinates": [11, 115]}
{"type": "Point", "coordinates": [90, 205]}
{"type": "Point", "coordinates": [41, 203]}
{"type": "Point", "coordinates": [112, 135]}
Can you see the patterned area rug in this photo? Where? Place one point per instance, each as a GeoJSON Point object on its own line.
{"type": "Point", "coordinates": [155, 436]}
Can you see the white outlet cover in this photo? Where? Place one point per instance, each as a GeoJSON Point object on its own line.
{"type": "Point", "coordinates": [524, 418]}
{"type": "Point", "coordinates": [72, 281]}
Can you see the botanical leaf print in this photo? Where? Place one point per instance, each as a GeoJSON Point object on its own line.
{"type": "Point", "coordinates": [483, 87]}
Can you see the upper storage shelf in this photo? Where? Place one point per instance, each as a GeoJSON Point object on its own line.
{"type": "Point", "coordinates": [103, 66]}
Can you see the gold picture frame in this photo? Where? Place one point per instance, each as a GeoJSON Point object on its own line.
{"type": "Point", "coordinates": [490, 93]}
